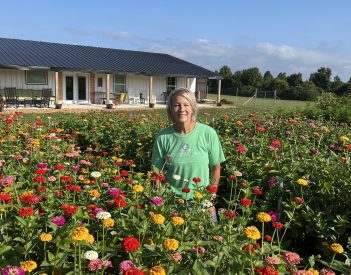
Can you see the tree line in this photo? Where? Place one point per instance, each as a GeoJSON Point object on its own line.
{"type": "Point", "coordinates": [245, 82]}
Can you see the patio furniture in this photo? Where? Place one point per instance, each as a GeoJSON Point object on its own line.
{"type": "Point", "coordinates": [11, 97]}
{"type": "Point", "coordinates": [142, 99]}
{"type": "Point", "coordinates": [44, 99]}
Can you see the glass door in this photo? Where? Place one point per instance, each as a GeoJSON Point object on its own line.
{"type": "Point", "coordinates": [69, 87]}
{"type": "Point", "coordinates": [82, 88]}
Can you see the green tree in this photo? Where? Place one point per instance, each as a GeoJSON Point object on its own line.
{"type": "Point", "coordinates": [295, 80]}
{"type": "Point", "coordinates": [251, 77]}
{"type": "Point", "coordinates": [226, 72]}
{"type": "Point", "coordinates": [322, 78]}
{"type": "Point", "coordinates": [279, 85]}
{"type": "Point", "coordinates": [267, 81]}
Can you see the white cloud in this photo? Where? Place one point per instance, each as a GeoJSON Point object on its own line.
{"type": "Point", "coordinates": [266, 56]}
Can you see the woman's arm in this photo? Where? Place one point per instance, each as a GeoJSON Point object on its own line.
{"type": "Point", "coordinates": [215, 174]}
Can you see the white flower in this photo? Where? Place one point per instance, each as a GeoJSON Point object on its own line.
{"type": "Point", "coordinates": [207, 204]}
{"type": "Point", "coordinates": [176, 177]}
{"type": "Point", "coordinates": [113, 233]}
{"type": "Point", "coordinates": [103, 215]}
{"type": "Point", "coordinates": [95, 174]}
{"type": "Point", "coordinates": [91, 255]}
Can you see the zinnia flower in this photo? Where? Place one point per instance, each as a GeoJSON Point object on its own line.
{"type": "Point", "coordinates": [95, 174]}
{"type": "Point", "coordinates": [130, 244]}
{"type": "Point", "coordinates": [291, 258]}
{"type": "Point", "coordinates": [45, 237]}
{"type": "Point", "coordinates": [177, 257]}
{"type": "Point", "coordinates": [13, 270]}
{"type": "Point", "coordinates": [263, 217]}
{"type": "Point", "coordinates": [29, 266]}
{"type": "Point", "coordinates": [157, 218]}
{"type": "Point", "coordinates": [337, 248]}
{"type": "Point", "coordinates": [302, 182]}
{"type": "Point", "coordinates": [170, 244]}
{"type": "Point", "coordinates": [272, 261]}
{"type": "Point", "coordinates": [103, 215]}
{"type": "Point", "coordinates": [156, 201]}
{"type": "Point", "coordinates": [138, 188]}
{"type": "Point", "coordinates": [108, 223]}
{"type": "Point", "coordinates": [252, 232]}
{"type": "Point", "coordinates": [58, 220]}
{"type": "Point", "coordinates": [91, 255]}
{"type": "Point", "coordinates": [157, 270]}
{"type": "Point", "coordinates": [266, 270]}
{"type": "Point", "coordinates": [177, 221]}
{"type": "Point", "coordinates": [126, 265]}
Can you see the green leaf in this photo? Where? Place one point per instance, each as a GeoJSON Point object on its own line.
{"type": "Point", "coordinates": [4, 249]}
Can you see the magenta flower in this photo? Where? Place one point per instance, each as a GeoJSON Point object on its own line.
{"type": "Point", "coordinates": [114, 192]}
{"type": "Point", "coordinates": [10, 270]}
{"type": "Point", "coordinates": [41, 165]}
{"type": "Point", "coordinates": [58, 220]}
{"type": "Point", "coordinates": [156, 201]}
{"type": "Point", "coordinates": [274, 215]}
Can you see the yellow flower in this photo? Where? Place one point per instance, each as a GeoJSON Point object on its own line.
{"type": "Point", "coordinates": [157, 218]}
{"type": "Point", "coordinates": [149, 241]}
{"type": "Point", "coordinates": [170, 244]}
{"type": "Point", "coordinates": [324, 129]}
{"type": "Point", "coordinates": [302, 182]}
{"type": "Point", "coordinates": [59, 130]}
{"type": "Point", "coordinates": [337, 248]}
{"type": "Point", "coordinates": [45, 237]}
{"type": "Point", "coordinates": [181, 201]}
{"type": "Point", "coordinates": [344, 138]}
{"type": "Point", "coordinates": [138, 188]}
{"type": "Point", "coordinates": [94, 193]}
{"type": "Point", "coordinates": [263, 217]}
{"type": "Point", "coordinates": [80, 234]}
{"type": "Point", "coordinates": [198, 195]}
{"type": "Point", "coordinates": [109, 223]}
{"type": "Point", "coordinates": [177, 220]}
{"type": "Point", "coordinates": [29, 266]}
{"type": "Point", "coordinates": [156, 270]}
{"type": "Point", "coordinates": [252, 232]}
{"type": "Point", "coordinates": [89, 239]}
{"type": "Point", "coordinates": [315, 272]}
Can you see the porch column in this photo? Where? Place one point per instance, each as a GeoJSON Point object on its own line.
{"type": "Point", "coordinates": [92, 88]}
{"type": "Point", "coordinates": [151, 91]}
{"type": "Point", "coordinates": [58, 86]}
{"type": "Point", "coordinates": [219, 92]}
{"type": "Point", "coordinates": [108, 88]}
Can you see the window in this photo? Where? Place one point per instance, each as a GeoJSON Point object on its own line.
{"type": "Point", "coordinates": [171, 84]}
{"type": "Point", "coordinates": [37, 77]}
{"type": "Point", "coordinates": [120, 84]}
{"type": "Point", "coordinates": [99, 82]}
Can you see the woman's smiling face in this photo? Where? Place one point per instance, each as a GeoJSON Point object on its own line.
{"type": "Point", "coordinates": [181, 110]}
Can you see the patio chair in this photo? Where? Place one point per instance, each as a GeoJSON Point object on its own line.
{"type": "Point", "coordinates": [11, 97]}
{"type": "Point", "coordinates": [44, 99]}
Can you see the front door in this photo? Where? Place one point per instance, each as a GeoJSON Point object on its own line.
{"type": "Point", "coordinates": [69, 88]}
{"type": "Point", "coordinates": [82, 88]}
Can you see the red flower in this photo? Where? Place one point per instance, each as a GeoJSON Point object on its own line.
{"type": "Point", "coordinates": [186, 190]}
{"type": "Point", "coordinates": [117, 178]}
{"type": "Point", "coordinates": [266, 270]}
{"type": "Point", "coordinates": [298, 200]}
{"type": "Point", "coordinates": [241, 149]}
{"type": "Point", "coordinates": [158, 177]}
{"type": "Point", "coordinates": [40, 171]}
{"type": "Point", "coordinates": [130, 162]}
{"type": "Point", "coordinates": [39, 179]}
{"type": "Point", "coordinates": [276, 143]}
{"type": "Point", "coordinates": [124, 173]}
{"type": "Point", "coordinates": [119, 201]}
{"type": "Point", "coordinates": [196, 180]}
{"type": "Point", "coordinates": [246, 202]}
{"type": "Point", "coordinates": [277, 225]}
{"type": "Point", "coordinates": [26, 211]}
{"type": "Point", "coordinates": [59, 167]}
{"type": "Point", "coordinates": [66, 178]}
{"type": "Point", "coordinates": [246, 248]}
{"type": "Point", "coordinates": [130, 244]}
{"type": "Point", "coordinates": [257, 191]}
{"type": "Point", "coordinates": [132, 271]}
{"type": "Point", "coordinates": [230, 214]}
{"type": "Point", "coordinates": [268, 238]}
{"type": "Point", "coordinates": [69, 209]}
{"type": "Point", "coordinates": [5, 197]}
{"type": "Point", "coordinates": [212, 188]}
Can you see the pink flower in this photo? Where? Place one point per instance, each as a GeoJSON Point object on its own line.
{"type": "Point", "coordinates": [326, 271]}
{"type": "Point", "coordinates": [291, 258]}
{"type": "Point", "coordinates": [126, 265]}
{"type": "Point", "coordinates": [274, 215]}
{"type": "Point", "coordinates": [9, 270]}
{"type": "Point", "coordinates": [272, 261]}
{"type": "Point", "coordinates": [95, 265]}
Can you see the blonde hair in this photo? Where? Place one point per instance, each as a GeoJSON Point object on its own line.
{"type": "Point", "coordinates": [188, 95]}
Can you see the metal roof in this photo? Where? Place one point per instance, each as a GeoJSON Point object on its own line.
{"type": "Point", "coordinates": [27, 55]}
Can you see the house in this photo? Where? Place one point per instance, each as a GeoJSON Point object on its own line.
{"type": "Point", "coordinates": [83, 74]}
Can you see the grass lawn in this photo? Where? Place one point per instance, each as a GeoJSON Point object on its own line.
{"type": "Point", "coordinates": [263, 104]}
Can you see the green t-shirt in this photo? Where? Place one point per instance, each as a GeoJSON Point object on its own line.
{"type": "Point", "coordinates": [187, 156]}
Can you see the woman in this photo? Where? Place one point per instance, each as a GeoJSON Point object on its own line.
{"type": "Point", "coordinates": [189, 152]}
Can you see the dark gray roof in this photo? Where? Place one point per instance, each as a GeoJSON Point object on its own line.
{"type": "Point", "coordinates": [27, 54]}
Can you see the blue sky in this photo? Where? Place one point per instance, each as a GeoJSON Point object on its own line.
{"type": "Point", "coordinates": [277, 35]}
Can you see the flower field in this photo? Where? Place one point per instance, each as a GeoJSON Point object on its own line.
{"type": "Point", "coordinates": [78, 196]}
